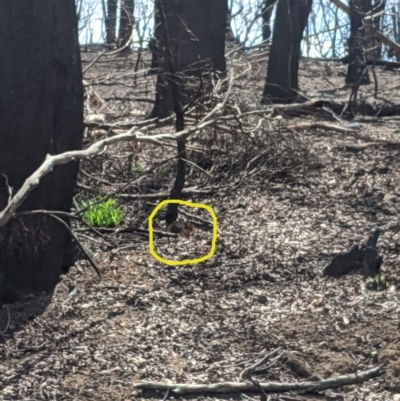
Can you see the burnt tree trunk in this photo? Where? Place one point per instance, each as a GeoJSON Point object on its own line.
{"type": "Point", "coordinates": [396, 30]}
{"type": "Point", "coordinates": [176, 191]}
{"type": "Point", "coordinates": [357, 73]}
{"type": "Point", "coordinates": [126, 24]}
{"type": "Point", "coordinates": [153, 48]}
{"type": "Point", "coordinates": [283, 65]}
{"type": "Point", "coordinates": [189, 39]}
{"type": "Point", "coordinates": [189, 43]}
{"type": "Point", "coordinates": [41, 112]}
{"type": "Point", "coordinates": [110, 21]}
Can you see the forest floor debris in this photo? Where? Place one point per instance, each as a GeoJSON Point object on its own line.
{"type": "Point", "coordinates": [287, 202]}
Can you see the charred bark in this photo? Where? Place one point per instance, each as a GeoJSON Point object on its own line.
{"type": "Point", "coordinates": [153, 44]}
{"type": "Point", "coordinates": [176, 192]}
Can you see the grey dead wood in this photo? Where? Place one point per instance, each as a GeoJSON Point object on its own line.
{"type": "Point", "coordinates": [357, 147]}
{"type": "Point", "coordinates": [367, 107]}
{"type": "Point", "coordinates": [268, 387]}
{"type": "Point", "coordinates": [332, 127]}
{"type": "Point", "coordinates": [246, 373]}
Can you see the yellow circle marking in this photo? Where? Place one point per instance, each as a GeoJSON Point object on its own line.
{"type": "Point", "coordinates": [186, 261]}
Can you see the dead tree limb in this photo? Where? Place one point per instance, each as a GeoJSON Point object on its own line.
{"type": "Point", "coordinates": [370, 108]}
{"type": "Point", "coordinates": [269, 387]}
{"type": "Point", "coordinates": [331, 127]}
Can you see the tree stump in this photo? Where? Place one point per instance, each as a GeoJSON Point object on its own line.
{"type": "Point", "coordinates": [361, 258]}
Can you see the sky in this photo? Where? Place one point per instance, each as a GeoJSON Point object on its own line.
{"type": "Point", "coordinates": [92, 26]}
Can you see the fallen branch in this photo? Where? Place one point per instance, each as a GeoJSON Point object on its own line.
{"type": "Point", "coordinates": [357, 147]}
{"type": "Point", "coordinates": [160, 195]}
{"type": "Point", "coordinates": [270, 387]}
{"type": "Point", "coordinates": [331, 127]}
{"type": "Point", "coordinates": [367, 107]}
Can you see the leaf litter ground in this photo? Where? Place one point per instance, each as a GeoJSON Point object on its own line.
{"type": "Point", "coordinates": [286, 202]}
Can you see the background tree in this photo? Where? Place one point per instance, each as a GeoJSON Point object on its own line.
{"type": "Point", "coordinates": [283, 65]}
{"type": "Point", "coordinates": [190, 41]}
{"type": "Point", "coordinates": [266, 14]}
{"type": "Point", "coordinates": [358, 43]}
{"type": "Point", "coordinates": [187, 33]}
{"type": "Point", "coordinates": [126, 23]}
{"type": "Point", "coordinates": [86, 11]}
{"type": "Point", "coordinates": [374, 17]}
{"type": "Point", "coordinates": [230, 36]}
{"type": "Point", "coordinates": [153, 41]}
{"type": "Point", "coordinates": [110, 20]}
{"type": "Point", "coordinates": [41, 107]}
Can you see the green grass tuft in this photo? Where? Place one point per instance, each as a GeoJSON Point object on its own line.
{"type": "Point", "coordinates": [378, 282]}
{"type": "Point", "coordinates": [140, 168]}
{"type": "Point", "coordinates": [104, 214]}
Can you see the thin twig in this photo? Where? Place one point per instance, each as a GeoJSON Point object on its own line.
{"type": "Point", "coordinates": [256, 383]}
{"type": "Point", "coordinates": [94, 61]}
{"type": "Point", "coordinates": [9, 189]}
{"type": "Point", "coordinates": [166, 395]}
{"type": "Point", "coordinates": [3, 332]}
{"type": "Point", "coordinates": [244, 375]}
